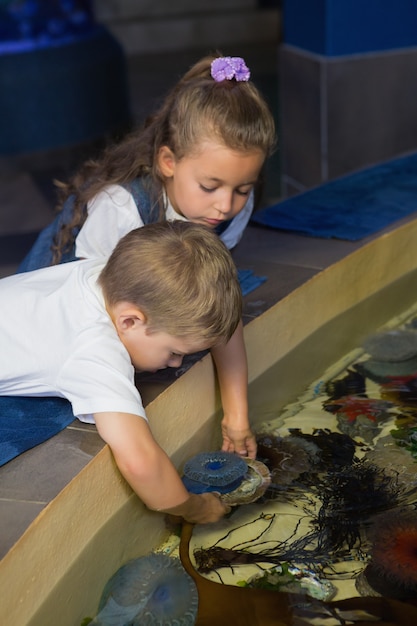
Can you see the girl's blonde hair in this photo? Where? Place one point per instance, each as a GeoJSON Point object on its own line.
{"type": "Point", "coordinates": [197, 108]}
{"type": "Point", "coordinates": [181, 276]}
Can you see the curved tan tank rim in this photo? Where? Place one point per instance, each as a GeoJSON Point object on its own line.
{"type": "Point", "coordinates": [182, 419]}
{"type": "Point", "coordinates": [328, 294]}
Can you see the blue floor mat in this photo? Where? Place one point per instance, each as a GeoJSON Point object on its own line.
{"type": "Point", "coordinates": [351, 207]}
{"type": "Point", "coordinates": [249, 281]}
{"type": "Point", "coordinates": [27, 422]}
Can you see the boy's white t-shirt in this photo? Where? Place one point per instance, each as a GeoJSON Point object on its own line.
{"type": "Point", "coordinates": [57, 339]}
{"type": "Point", "coordinates": [112, 213]}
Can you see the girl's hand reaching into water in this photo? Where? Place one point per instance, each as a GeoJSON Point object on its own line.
{"type": "Point", "coordinates": [241, 441]}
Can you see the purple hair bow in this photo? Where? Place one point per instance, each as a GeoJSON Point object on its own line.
{"type": "Point", "coordinates": [226, 68]}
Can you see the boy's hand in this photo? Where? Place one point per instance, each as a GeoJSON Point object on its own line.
{"type": "Point", "coordinates": [241, 441]}
{"type": "Point", "coordinates": [204, 508]}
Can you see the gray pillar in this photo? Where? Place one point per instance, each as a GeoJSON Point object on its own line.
{"type": "Point", "coordinates": [348, 84]}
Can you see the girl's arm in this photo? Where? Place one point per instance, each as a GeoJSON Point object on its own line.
{"type": "Point", "coordinates": [149, 471]}
{"type": "Point", "coordinates": [232, 373]}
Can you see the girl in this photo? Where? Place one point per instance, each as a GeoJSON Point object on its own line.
{"type": "Point", "coordinates": [198, 158]}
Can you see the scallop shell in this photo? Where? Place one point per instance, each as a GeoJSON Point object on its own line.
{"type": "Point", "coordinates": [253, 486]}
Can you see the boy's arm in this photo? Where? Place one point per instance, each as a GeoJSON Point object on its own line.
{"type": "Point", "coordinates": [149, 471]}
{"type": "Point", "coordinates": [232, 373]}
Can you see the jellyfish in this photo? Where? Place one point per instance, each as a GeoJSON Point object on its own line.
{"type": "Point", "coordinates": [154, 590]}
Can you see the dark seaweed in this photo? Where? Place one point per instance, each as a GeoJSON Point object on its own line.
{"type": "Point", "coordinates": [349, 495]}
{"type": "Point", "coordinates": [353, 383]}
{"type": "Point", "coordinates": [336, 449]}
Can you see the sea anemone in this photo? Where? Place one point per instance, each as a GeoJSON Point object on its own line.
{"type": "Point", "coordinates": [392, 455]}
{"type": "Point", "coordinates": [154, 590]}
{"type": "Point", "coordinates": [392, 570]}
{"type": "Point", "coordinates": [333, 449]}
{"type": "Point", "coordinates": [358, 416]}
{"type": "Point", "coordinates": [286, 457]}
{"type": "Point", "coordinates": [214, 471]}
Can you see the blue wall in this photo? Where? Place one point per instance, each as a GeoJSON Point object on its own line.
{"type": "Point", "coordinates": [342, 27]}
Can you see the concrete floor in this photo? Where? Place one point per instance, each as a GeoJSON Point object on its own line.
{"type": "Point", "coordinates": [33, 479]}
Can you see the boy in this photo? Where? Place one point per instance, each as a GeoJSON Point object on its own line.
{"type": "Point", "coordinates": [79, 330]}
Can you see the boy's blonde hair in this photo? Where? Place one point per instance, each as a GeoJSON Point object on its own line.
{"type": "Point", "coordinates": [181, 276]}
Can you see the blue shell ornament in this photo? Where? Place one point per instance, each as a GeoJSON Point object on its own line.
{"type": "Point", "coordinates": [154, 590]}
{"type": "Point", "coordinates": [214, 471]}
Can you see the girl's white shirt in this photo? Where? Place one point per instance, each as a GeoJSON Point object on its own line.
{"type": "Point", "coordinates": [112, 213]}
